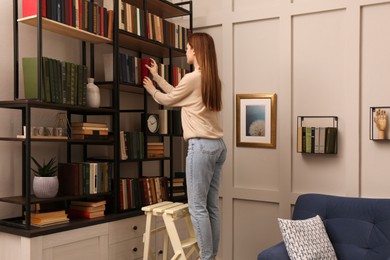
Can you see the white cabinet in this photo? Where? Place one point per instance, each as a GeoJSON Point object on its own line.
{"type": "Point", "coordinates": [121, 239]}
{"type": "Point", "coordinates": [88, 243]}
{"type": "Point", "coordinates": [126, 238]}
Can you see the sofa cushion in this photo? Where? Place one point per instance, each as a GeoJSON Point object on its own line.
{"type": "Point", "coordinates": [306, 239]}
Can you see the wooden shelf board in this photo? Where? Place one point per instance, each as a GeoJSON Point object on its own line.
{"type": "Point", "coordinates": [15, 225]}
{"type": "Point", "coordinates": [35, 103]}
{"type": "Point", "coordinates": [161, 8]}
{"type": "Point", "coordinates": [65, 29]}
{"type": "Point", "coordinates": [153, 48]}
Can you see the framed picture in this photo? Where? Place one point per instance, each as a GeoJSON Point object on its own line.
{"type": "Point", "coordinates": [256, 120]}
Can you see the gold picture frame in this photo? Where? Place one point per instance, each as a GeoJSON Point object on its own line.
{"type": "Point", "coordinates": [256, 120]}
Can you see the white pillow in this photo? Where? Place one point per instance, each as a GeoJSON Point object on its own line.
{"type": "Point", "coordinates": [306, 239]}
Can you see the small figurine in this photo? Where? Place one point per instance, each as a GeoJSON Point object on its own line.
{"type": "Point", "coordinates": [380, 120]}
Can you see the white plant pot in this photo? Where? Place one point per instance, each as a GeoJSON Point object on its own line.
{"type": "Point", "coordinates": [45, 187]}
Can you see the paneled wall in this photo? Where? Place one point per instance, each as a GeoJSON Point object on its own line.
{"type": "Point", "coordinates": [320, 57]}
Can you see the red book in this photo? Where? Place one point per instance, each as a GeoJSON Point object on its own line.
{"type": "Point", "coordinates": [84, 214]}
{"type": "Point", "coordinates": [30, 7]}
{"type": "Point", "coordinates": [70, 13]}
{"type": "Point", "coordinates": [144, 70]}
{"type": "Point", "coordinates": [101, 14]}
{"type": "Point", "coordinates": [68, 178]}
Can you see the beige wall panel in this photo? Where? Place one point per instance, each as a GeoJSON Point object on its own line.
{"type": "Point", "coordinates": [203, 8]}
{"type": "Point", "coordinates": [256, 58]}
{"type": "Point", "coordinates": [255, 228]}
{"type": "Point", "coordinates": [256, 70]}
{"type": "Point", "coordinates": [240, 5]}
{"type": "Point", "coordinates": [375, 82]}
{"type": "Point", "coordinates": [318, 74]}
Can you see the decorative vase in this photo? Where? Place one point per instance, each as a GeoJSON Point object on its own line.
{"type": "Point", "coordinates": [93, 94]}
{"type": "Point", "coordinates": [45, 187]}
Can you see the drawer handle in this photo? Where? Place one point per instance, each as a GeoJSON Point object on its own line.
{"type": "Point", "coordinates": [135, 249]}
{"type": "Point", "coordinates": [135, 227]}
{"type": "Point", "coordinates": [160, 252]}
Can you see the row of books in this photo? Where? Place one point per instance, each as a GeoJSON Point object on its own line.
{"type": "Point", "coordinates": [134, 20]}
{"type": "Point", "coordinates": [89, 130]}
{"type": "Point", "coordinates": [86, 209]}
{"type": "Point", "coordinates": [138, 192]}
{"type": "Point", "coordinates": [178, 185]}
{"type": "Point", "coordinates": [132, 69]}
{"type": "Point", "coordinates": [166, 32]}
{"type": "Point", "coordinates": [85, 15]}
{"type": "Point", "coordinates": [84, 178]}
{"type": "Point", "coordinates": [317, 140]}
{"type": "Point", "coordinates": [131, 145]}
{"type": "Point", "coordinates": [62, 82]}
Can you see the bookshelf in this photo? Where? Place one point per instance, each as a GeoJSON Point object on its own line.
{"type": "Point", "coordinates": [143, 47]}
{"type": "Point", "coordinates": [317, 134]}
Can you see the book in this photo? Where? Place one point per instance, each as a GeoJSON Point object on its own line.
{"type": "Point", "coordinates": [330, 140]}
{"type": "Point", "coordinates": [30, 77]}
{"type": "Point", "coordinates": [163, 117]}
{"type": "Point", "coordinates": [90, 128]}
{"type": "Point", "coordinates": [123, 146]}
{"type": "Point", "coordinates": [88, 208]}
{"type": "Point", "coordinates": [88, 124]}
{"type": "Point", "coordinates": [30, 8]}
{"type": "Point", "coordinates": [299, 139]}
{"type": "Point", "coordinates": [322, 134]}
{"type": "Point", "coordinates": [89, 203]}
{"type": "Point", "coordinates": [85, 214]}
{"type": "Point", "coordinates": [68, 178]}
{"type": "Point", "coordinates": [49, 220]}
{"type": "Point", "coordinates": [49, 214]}
{"type": "Point", "coordinates": [89, 132]}
{"type": "Point", "coordinates": [89, 137]}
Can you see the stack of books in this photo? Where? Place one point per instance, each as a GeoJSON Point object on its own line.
{"type": "Point", "coordinates": [87, 209]}
{"type": "Point", "coordinates": [178, 185]}
{"type": "Point", "coordinates": [48, 218]}
{"type": "Point", "coordinates": [155, 149]}
{"type": "Point", "coordinates": [89, 131]}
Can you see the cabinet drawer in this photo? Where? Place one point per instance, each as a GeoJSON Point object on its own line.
{"type": "Point", "coordinates": [127, 250]}
{"type": "Point", "coordinates": [126, 229]}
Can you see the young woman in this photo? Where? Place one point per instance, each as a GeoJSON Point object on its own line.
{"type": "Point", "coordinates": [199, 96]}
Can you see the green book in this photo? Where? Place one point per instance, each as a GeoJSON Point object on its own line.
{"type": "Point", "coordinates": [308, 139]}
{"type": "Point", "coordinates": [72, 84]}
{"type": "Point", "coordinates": [46, 79]}
{"type": "Point", "coordinates": [330, 140]}
{"type": "Point", "coordinates": [30, 77]}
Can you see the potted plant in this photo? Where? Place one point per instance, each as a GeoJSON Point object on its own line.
{"type": "Point", "coordinates": [45, 183]}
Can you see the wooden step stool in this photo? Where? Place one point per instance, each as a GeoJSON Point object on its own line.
{"type": "Point", "coordinates": [170, 212]}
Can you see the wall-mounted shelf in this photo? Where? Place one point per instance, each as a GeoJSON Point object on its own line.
{"type": "Point", "coordinates": [317, 134]}
{"type": "Point", "coordinates": [379, 130]}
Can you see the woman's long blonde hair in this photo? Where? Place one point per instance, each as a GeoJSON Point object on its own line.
{"type": "Point", "coordinates": [203, 45]}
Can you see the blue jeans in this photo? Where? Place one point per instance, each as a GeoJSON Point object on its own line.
{"type": "Point", "coordinates": [204, 163]}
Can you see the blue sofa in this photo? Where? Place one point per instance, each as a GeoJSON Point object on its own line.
{"type": "Point", "coordinates": [358, 228]}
